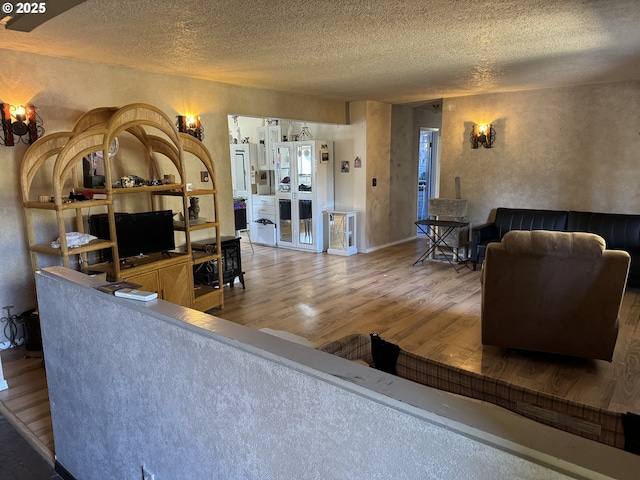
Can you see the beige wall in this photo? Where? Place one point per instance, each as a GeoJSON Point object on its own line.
{"type": "Point", "coordinates": [379, 210]}
{"type": "Point", "coordinates": [564, 148]}
{"type": "Point", "coordinates": [350, 141]}
{"type": "Point", "coordinates": [64, 89]}
{"type": "Point", "coordinates": [403, 173]}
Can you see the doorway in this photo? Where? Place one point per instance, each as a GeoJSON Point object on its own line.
{"type": "Point", "coordinates": [427, 171]}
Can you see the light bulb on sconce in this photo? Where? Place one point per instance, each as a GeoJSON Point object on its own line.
{"type": "Point", "coordinates": [482, 135]}
{"type": "Point", "coordinates": [21, 113]}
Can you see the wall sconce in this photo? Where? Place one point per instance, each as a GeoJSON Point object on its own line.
{"type": "Point", "coordinates": [190, 125]}
{"type": "Point", "coordinates": [482, 135]}
{"type": "Point", "coordinates": [22, 122]}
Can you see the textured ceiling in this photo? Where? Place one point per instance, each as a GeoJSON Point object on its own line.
{"type": "Point", "coordinates": [396, 52]}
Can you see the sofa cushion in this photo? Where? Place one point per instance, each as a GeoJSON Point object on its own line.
{"type": "Point", "coordinates": [508, 219]}
{"type": "Point", "coordinates": [619, 231]}
{"type": "Point", "coordinates": [554, 244]}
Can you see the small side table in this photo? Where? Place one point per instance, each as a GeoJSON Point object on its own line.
{"type": "Point", "coordinates": [342, 232]}
{"type": "Point", "coordinates": [439, 240]}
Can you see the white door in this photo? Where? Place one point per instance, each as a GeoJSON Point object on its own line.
{"type": "Point", "coordinates": [240, 171]}
{"type": "Point", "coordinates": [427, 171]}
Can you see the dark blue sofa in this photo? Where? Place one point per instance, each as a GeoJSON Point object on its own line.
{"type": "Point", "coordinates": [620, 231]}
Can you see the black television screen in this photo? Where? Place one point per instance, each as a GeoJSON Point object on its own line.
{"type": "Point", "coordinates": [136, 233]}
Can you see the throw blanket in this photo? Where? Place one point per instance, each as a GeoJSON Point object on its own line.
{"type": "Point", "coordinates": [611, 428]}
{"type": "Point", "coordinates": [74, 239]}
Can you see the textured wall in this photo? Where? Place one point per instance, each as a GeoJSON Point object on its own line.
{"type": "Point", "coordinates": [64, 89]}
{"type": "Point", "coordinates": [403, 174]}
{"type": "Point", "coordinates": [349, 143]}
{"type": "Point", "coordinates": [130, 385]}
{"type": "Point", "coordinates": [563, 148]}
{"type": "Point", "coordinates": [379, 208]}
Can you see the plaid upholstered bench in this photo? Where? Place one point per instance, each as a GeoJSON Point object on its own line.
{"type": "Point", "coordinates": [611, 428]}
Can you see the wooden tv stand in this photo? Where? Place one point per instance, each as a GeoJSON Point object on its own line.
{"type": "Point", "coordinates": [168, 274]}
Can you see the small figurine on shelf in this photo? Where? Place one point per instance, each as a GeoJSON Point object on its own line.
{"type": "Point", "coordinates": [194, 208]}
{"type": "Point", "coordinates": [237, 135]}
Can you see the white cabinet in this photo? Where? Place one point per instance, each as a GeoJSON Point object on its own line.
{"type": "Point", "coordinates": [243, 158]}
{"type": "Point", "coordinates": [304, 189]}
{"type": "Point", "coordinates": [263, 226]}
{"type": "Point", "coordinates": [267, 138]}
{"type": "Point", "coordinates": [342, 233]}
{"type": "Point", "coordinates": [264, 207]}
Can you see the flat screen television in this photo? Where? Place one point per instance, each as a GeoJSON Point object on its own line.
{"type": "Point", "coordinates": [136, 233]}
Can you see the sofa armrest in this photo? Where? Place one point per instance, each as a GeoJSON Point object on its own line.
{"type": "Point", "coordinates": [483, 232]}
{"type": "Point", "coordinates": [480, 234]}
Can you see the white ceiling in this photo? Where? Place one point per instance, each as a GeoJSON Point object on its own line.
{"type": "Point", "coordinates": [396, 52]}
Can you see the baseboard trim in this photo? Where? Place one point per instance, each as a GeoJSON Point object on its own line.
{"type": "Point", "coordinates": [391, 244]}
{"type": "Point", "coordinates": [63, 472]}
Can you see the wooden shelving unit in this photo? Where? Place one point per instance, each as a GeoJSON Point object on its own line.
{"type": "Point", "coordinates": [205, 297]}
{"type": "Point", "coordinates": [58, 158]}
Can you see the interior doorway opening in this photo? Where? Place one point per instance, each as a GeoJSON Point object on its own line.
{"type": "Point", "coordinates": [427, 171]}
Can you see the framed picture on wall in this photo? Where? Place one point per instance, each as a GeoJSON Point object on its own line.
{"type": "Point", "coordinates": [324, 153]}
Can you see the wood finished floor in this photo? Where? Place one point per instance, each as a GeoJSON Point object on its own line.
{"type": "Point", "coordinates": [25, 404]}
{"type": "Point", "coordinates": [427, 309]}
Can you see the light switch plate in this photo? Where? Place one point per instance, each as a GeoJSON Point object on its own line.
{"type": "Point", "coordinates": [146, 474]}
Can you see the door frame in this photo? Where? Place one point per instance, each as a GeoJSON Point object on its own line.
{"type": "Point", "coordinates": [433, 170]}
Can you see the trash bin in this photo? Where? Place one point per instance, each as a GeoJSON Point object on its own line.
{"type": "Point", "coordinates": [31, 326]}
{"type": "Point", "coordinates": [240, 215]}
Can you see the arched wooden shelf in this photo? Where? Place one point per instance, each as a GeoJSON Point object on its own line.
{"type": "Point", "coordinates": [56, 161]}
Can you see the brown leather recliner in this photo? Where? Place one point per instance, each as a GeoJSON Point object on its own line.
{"type": "Point", "coordinates": [555, 292]}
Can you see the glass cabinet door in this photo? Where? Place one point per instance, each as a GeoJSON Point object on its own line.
{"type": "Point", "coordinates": [304, 171]}
{"type": "Point", "coordinates": [305, 220]}
{"type": "Point", "coordinates": [262, 148]}
{"type": "Point", "coordinates": [283, 154]}
{"type": "Point", "coordinates": [285, 227]}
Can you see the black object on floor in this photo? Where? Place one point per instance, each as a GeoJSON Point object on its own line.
{"type": "Point", "coordinates": [18, 459]}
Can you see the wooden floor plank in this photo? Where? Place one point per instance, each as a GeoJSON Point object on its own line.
{"type": "Point", "coordinates": [427, 309]}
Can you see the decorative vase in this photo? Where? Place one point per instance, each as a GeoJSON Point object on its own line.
{"type": "Point", "coordinates": [290, 131]}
